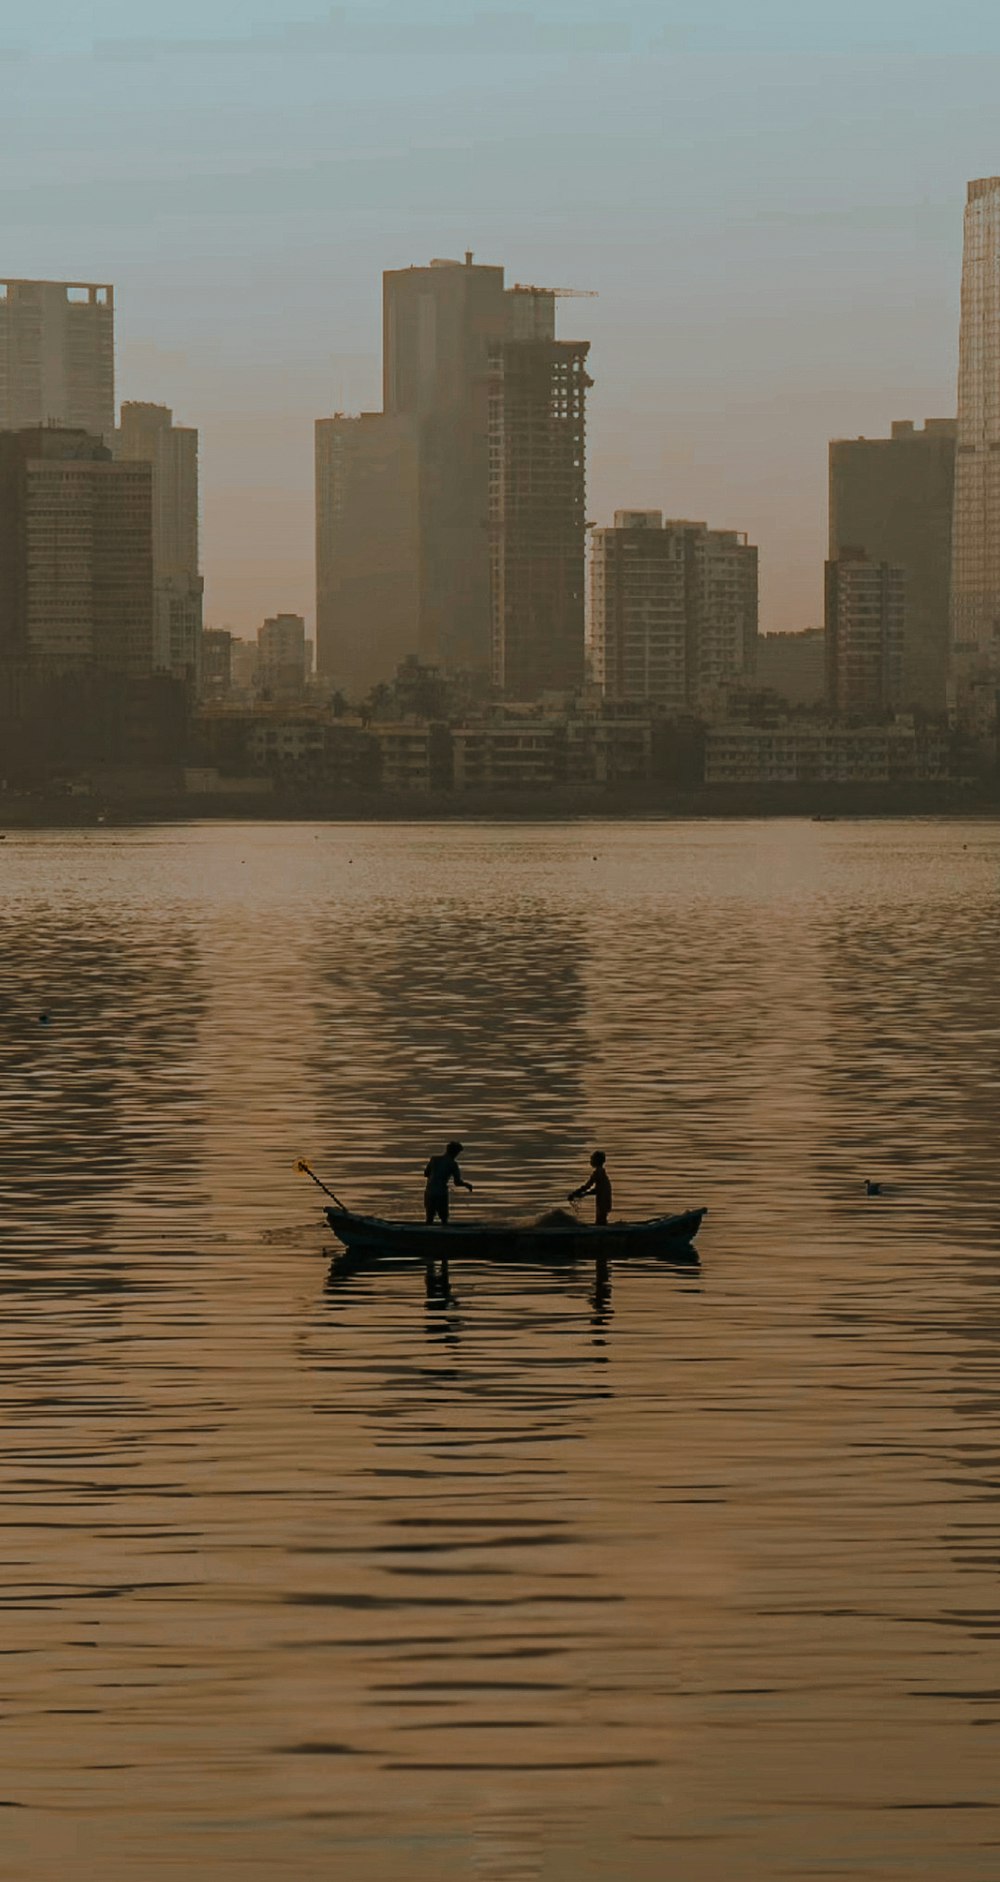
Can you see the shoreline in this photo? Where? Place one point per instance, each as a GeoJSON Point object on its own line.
{"type": "Point", "coordinates": [650, 803]}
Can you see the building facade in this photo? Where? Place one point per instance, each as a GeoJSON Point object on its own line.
{"type": "Point", "coordinates": [368, 615]}
{"type": "Point", "coordinates": [439, 324]}
{"type": "Point", "coordinates": [638, 611]}
{"type": "Point", "coordinates": [57, 356]}
{"type": "Point", "coordinates": [537, 514]}
{"type": "Point", "coordinates": [674, 610]}
{"type": "Point", "coordinates": [216, 663]}
{"type": "Point", "coordinates": [76, 555]}
{"type": "Point", "coordinates": [147, 435]}
{"type": "Point", "coordinates": [865, 622]}
{"type": "Point", "coordinates": [975, 578]}
{"type": "Point", "coordinates": [893, 497]}
{"type": "Point", "coordinates": [281, 662]}
{"type": "Point", "coordinates": [793, 665]}
{"type": "Point", "coordinates": [807, 753]}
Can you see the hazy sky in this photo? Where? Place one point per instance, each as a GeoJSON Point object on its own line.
{"type": "Point", "coordinates": [768, 199]}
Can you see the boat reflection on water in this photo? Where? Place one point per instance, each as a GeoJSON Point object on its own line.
{"type": "Point", "coordinates": [348, 1265]}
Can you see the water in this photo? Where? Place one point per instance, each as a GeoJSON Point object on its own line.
{"type": "Point", "coordinates": [305, 1577]}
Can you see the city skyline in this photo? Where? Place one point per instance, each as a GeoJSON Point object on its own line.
{"type": "Point", "coordinates": [777, 270]}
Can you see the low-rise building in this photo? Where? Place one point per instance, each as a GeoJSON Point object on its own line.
{"type": "Point", "coordinates": [505, 754]}
{"type": "Point", "coordinates": [804, 752]}
{"type": "Point", "coordinates": [299, 749]}
{"type": "Point", "coordinates": [412, 756]}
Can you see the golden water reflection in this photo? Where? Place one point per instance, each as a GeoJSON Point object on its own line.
{"type": "Point", "coordinates": [307, 1574]}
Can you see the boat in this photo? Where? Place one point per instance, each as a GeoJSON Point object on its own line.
{"type": "Point", "coordinates": [556, 1237]}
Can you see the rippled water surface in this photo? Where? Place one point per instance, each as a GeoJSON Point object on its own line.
{"type": "Point", "coordinates": [305, 1576]}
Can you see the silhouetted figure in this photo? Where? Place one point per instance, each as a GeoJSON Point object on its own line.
{"type": "Point", "coordinates": [439, 1173]}
{"type": "Point", "coordinates": [873, 1189]}
{"type": "Point", "coordinates": [600, 1183]}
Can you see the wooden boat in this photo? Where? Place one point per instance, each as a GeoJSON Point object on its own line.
{"type": "Point", "coordinates": [566, 1240]}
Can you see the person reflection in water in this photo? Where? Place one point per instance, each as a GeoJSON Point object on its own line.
{"type": "Point", "coordinates": [600, 1182]}
{"type": "Point", "coordinates": [439, 1173]}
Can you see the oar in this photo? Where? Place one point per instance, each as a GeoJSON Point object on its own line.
{"type": "Point", "coordinates": [304, 1170]}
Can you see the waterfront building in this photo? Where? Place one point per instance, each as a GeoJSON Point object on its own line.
{"type": "Point", "coordinates": [674, 610]}
{"type": "Point", "coordinates": [865, 616]}
{"type": "Point", "coordinates": [147, 434]}
{"type": "Point", "coordinates": [893, 498]}
{"type": "Point", "coordinates": [807, 753]}
{"type": "Point", "coordinates": [76, 555]}
{"type": "Point", "coordinates": [57, 356]}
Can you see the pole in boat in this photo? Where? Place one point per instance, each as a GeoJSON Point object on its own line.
{"type": "Point", "coordinates": [303, 1169]}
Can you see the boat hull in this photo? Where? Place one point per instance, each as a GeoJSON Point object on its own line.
{"type": "Point", "coordinates": [668, 1235]}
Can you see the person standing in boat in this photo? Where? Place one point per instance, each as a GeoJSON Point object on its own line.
{"type": "Point", "coordinates": [600, 1183]}
{"type": "Point", "coordinates": [439, 1173]}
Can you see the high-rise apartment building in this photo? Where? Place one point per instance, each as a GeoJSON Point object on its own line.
{"type": "Point", "coordinates": [76, 556]}
{"type": "Point", "coordinates": [674, 609]}
{"type": "Point", "coordinates": [147, 434]}
{"type": "Point", "coordinates": [893, 498]}
{"type": "Point", "coordinates": [57, 355]}
{"type": "Point", "coordinates": [537, 499]}
{"type": "Point", "coordinates": [975, 571]}
{"type": "Point", "coordinates": [865, 623]}
{"type": "Point", "coordinates": [638, 611]}
{"type": "Point", "coordinates": [367, 548]}
{"type": "Point", "coordinates": [281, 662]}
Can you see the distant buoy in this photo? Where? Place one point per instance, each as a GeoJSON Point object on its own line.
{"type": "Point", "coordinates": [43, 1019]}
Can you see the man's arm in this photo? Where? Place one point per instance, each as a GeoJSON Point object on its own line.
{"type": "Point", "coordinates": [584, 1189]}
{"type": "Point", "coordinates": [458, 1179]}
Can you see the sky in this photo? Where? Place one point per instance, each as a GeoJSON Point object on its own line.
{"type": "Point", "coordinates": [767, 201]}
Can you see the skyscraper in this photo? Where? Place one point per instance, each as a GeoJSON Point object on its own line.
{"type": "Point", "coordinates": [975, 574]}
{"type": "Point", "coordinates": [892, 497]}
{"type": "Point", "coordinates": [439, 324]}
{"type": "Point", "coordinates": [674, 609]}
{"type": "Point", "coordinates": [57, 355]}
{"type": "Point", "coordinates": [537, 440]}
{"type": "Point", "coordinates": [865, 615]}
{"type": "Point", "coordinates": [147, 435]}
{"type": "Point", "coordinates": [76, 556]}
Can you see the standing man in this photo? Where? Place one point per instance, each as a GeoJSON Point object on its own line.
{"type": "Point", "coordinates": [600, 1182]}
{"type": "Point", "coordinates": [439, 1173]}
